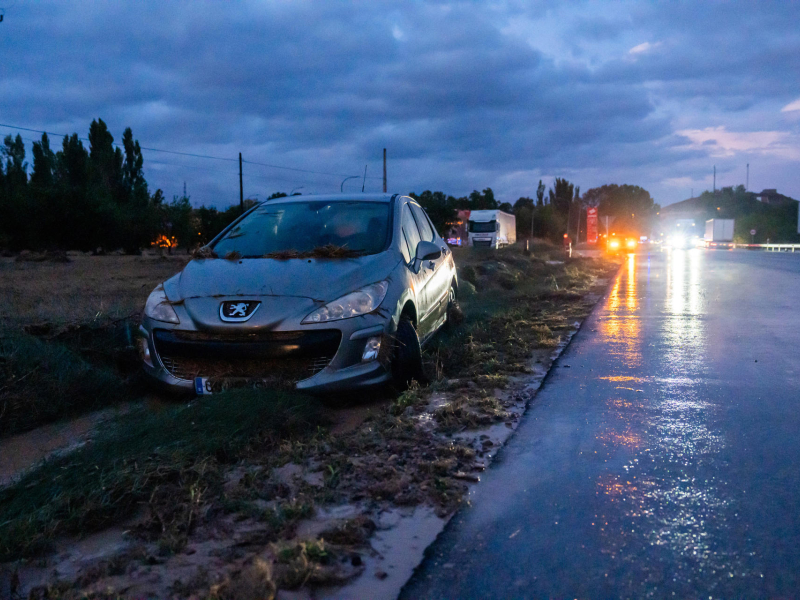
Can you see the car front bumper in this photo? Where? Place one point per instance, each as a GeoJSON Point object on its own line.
{"type": "Point", "coordinates": [342, 371]}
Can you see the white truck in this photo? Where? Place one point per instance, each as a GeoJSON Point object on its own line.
{"type": "Point", "coordinates": [719, 230]}
{"type": "Point", "coordinates": [491, 228]}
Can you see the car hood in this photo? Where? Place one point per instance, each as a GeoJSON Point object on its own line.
{"type": "Point", "coordinates": [287, 289]}
{"type": "Point", "coordinates": [318, 279]}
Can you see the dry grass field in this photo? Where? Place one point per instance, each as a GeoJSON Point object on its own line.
{"type": "Point", "coordinates": [87, 289]}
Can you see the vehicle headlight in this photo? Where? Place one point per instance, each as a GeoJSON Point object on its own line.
{"type": "Point", "coordinates": [353, 304]}
{"type": "Point", "coordinates": [158, 307]}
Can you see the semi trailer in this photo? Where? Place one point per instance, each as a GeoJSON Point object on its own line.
{"type": "Point", "coordinates": [491, 229]}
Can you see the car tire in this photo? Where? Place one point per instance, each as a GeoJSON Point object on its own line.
{"type": "Point", "coordinates": [455, 316]}
{"type": "Point", "coordinates": [407, 359]}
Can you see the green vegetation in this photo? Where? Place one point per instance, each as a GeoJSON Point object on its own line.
{"type": "Point", "coordinates": [775, 221]}
{"type": "Point", "coordinates": [169, 460]}
{"type": "Point", "coordinates": [84, 199]}
{"type": "Point", "coordinates": [552, 214]}
{"type": "Point", "coordinates": [522, 303]}
{"type": "Point", "coordinates": [46, 381]}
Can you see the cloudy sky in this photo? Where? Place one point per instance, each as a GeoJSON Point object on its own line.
{"type": "Point", "coordinates": [464, 95]}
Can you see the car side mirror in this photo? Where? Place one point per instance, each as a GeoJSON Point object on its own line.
{"type": "Point", "coordinates": [428, 251]}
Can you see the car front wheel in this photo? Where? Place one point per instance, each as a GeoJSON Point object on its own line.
{"type": "Point", "coordinates": [407, 360]}
{"type": "Point", "coordinates": [455, 316]}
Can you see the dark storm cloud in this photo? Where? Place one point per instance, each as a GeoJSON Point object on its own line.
{"type": "Point", "coordinates": [460, 98]}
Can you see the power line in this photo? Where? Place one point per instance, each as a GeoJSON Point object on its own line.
{"type": "Point", "coordinates": [249, 162]}
{"type": "Point", "coordinates": [190, 154]}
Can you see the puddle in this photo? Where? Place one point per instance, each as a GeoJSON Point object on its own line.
{"type": "Point", "coordinates": [398, 546]}
{"type": "Point", "coordinates": [25, 450]}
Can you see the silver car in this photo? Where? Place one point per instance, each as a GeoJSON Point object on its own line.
{"type": "Point", "coordinates": [321, 293]}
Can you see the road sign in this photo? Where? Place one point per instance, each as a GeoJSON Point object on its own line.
{"type": "Point", "coordinates": [752, 232]}
{"type": "Point", "coordinates": [591, 225]}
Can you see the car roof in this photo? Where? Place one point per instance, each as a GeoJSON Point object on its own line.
{"type": "Point", "coordinates": [333, 198]}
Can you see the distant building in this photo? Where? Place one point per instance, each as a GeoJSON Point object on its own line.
{"type": "Point", "coordinates": [771, 196]}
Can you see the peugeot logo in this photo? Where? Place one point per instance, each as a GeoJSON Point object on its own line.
{"type": "Point", "coordinates": [238, 311]}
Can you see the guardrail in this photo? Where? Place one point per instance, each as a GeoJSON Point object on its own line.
{"type": "Point", "coordinates": [765, 247]}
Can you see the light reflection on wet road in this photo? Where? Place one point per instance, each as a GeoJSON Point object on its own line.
{"type": "Point", "coordinates": [664, 461]}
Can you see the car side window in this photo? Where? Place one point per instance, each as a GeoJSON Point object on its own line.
{"type": "Point", "coordinates": [410, 230]}
{"type": "Point", "coordinates": [425, 229]}
{"type": "Point", "coordinates": [404, 250]}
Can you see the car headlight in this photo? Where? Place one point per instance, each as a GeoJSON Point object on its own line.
{"type": "Point", "coordinates": [158, 307]}
{"type": "Point", "coordinates": [353, 304]}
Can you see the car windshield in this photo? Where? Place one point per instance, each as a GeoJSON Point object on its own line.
{"type": "Point", "coordinates": [303, 228]}
{"type": "Point", "coordinates": [479, 227]}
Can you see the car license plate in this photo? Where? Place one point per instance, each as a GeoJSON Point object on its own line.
{"type": "Point", "coordinates": [206, 386]}
{"type": "Point", "coordinates": [202, 386]}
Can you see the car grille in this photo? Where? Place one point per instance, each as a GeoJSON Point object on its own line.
{"type": "Point", "coordinates": [287, 357]}
{"type": "Point", "coordinates": [279, 370]}
{"type": "Point", "coordinates": [482, 243]}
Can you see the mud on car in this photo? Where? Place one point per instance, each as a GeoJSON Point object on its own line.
{"type": "Point", "coordinates": [321, 293]}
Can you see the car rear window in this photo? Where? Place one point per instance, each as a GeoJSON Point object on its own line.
{"type": "Point", "coordinates": [304, 227]}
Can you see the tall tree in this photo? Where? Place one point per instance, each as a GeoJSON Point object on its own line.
{"type": "Point", "coordinates": [74, 210]}
{"type": "Point", "coordinates": [16, 168]}
{"type": "Point", "coordinates": [540, 194]}
{"type": "Point", "coordinates": [42, 197]}
{"type": "Point", "coordinates": [132, 171]}
{"type": "Point", "coordinates": [44, 164]}
{"type": "Point", "coordinates": [631, 206]}
{"type": "Point", "coordinates": [482, 201]}
{"type": "Point", "coordinates": [14, 202]}
{"type": "Point", "coordinates": [561, 195]}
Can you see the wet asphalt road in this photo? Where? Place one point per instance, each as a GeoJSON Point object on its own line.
{"type": "Point", "coordinates": [664, 462]}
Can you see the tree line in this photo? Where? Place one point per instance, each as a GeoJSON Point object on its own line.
{"type": "Point", "coordinates": [776, 221]}
{"type": "Point", "coordinates": [79, 198]}
{"type": "Point", "coordinates": [551, 215]}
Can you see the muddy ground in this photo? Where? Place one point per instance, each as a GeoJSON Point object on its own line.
{"type": "Point", "coordinates": [312, 500]}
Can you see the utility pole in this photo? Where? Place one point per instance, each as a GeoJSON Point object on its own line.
{"type": "Point", "coordinates": [384, 170]}
{"type": "Point", "coordinates": [241, 187]}
{"type": "Point", "coordinates": [715, 179]}
{"type": "Point", "coordinates": [364, 182]}
{"type": "Point", "coordinates": [747, 184]}
{"type": "Point", "coordinates": [532, 206]}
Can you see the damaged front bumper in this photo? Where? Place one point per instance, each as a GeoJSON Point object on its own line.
{"type": "Point", "coordinates": [318, 361]}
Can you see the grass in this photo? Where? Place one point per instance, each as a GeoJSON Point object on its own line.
{"type": "Point", "coordinates": [522, 303]}
{"type": "Point", "coordinates": [169, 461]}
{"type": "Point", "coordinates": [42, 381]}
{"type": "Point", "coordinates": [65, 343]}
{"type": "Point", "coordinates": [513, 305]}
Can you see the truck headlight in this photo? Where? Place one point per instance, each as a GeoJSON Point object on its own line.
{"type": "Point", "coordinates": [353, 304]}
{"type": "Point", "coordinates": [158, 306]}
